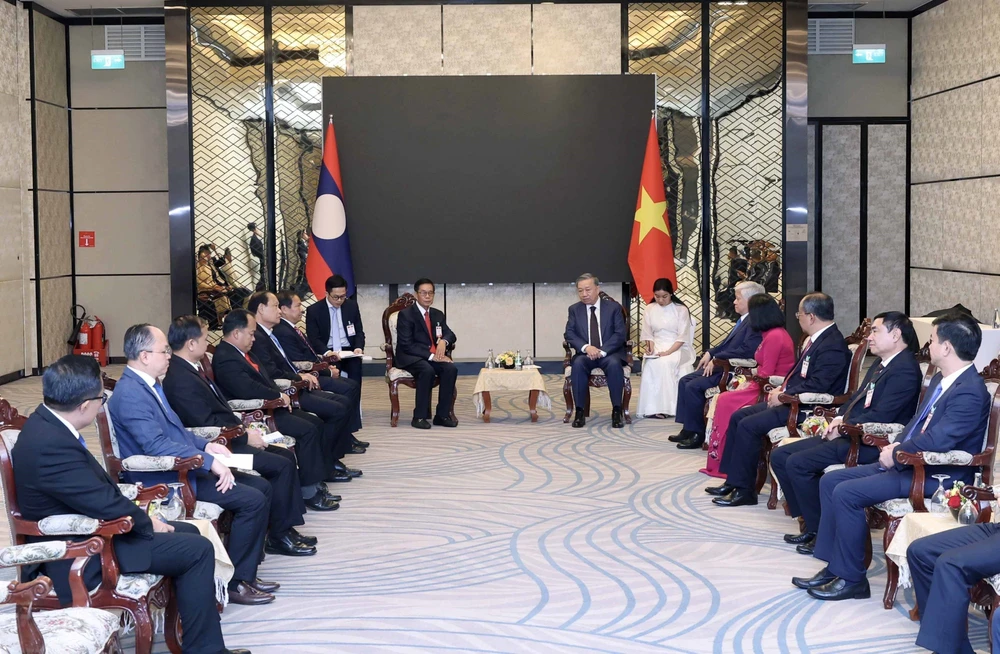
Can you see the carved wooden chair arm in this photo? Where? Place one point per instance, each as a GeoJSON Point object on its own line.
{"type": "Point", "coordinates": [228, 434]}
{"type": "Point", "coordinates": [919, 460]}
{"type": "Point", "coordinates": [44, 552]}
{"type": "Point", "coordinates": [722, 365]}
{"type": "Point", "coordinates": [568, 359]}
{"type": "Point", "coordinates": [321, 366]}
{"type": "Point", "coordinates": [875, 440]}
{"type": "Point", "coordinates": [978, 493]}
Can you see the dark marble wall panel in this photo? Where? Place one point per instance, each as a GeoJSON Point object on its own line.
{"type": "Point", "coordinates": [841, 220]}
{"type": "Point", "coordinates": [886, 274]}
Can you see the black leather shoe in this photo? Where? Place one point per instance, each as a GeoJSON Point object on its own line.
{"type": "Point", "coordinates": [579, 420]}
{"type": "Point", "coordinates": [616, 418]}
{"type": "Point", "coordinates": [818, 579]}
{"type": "Point", "coordinates": [807, 548]}
{"type": "Point", "coordinates": [420, 423]}
{"type": "Point", "coordinates": [265, 586]}
{"type": "Point", "coordinates": [693, 443]}
{"type": "Point", "coordinates": [739, 497]}
{"type": "Point", "coordinates": [357, 449]}
{"type": "Point", "coordinates": [322, 502]}
{"type": "Point", "coordinates": [237, 651]}
{"type": "Point", "coordinates": [340, 468]}
{"type": "Point", "coordinates": [838, 589]}
{"type": "Point", "coordinates": [285, 546]}
{"type": "Point", "coordinates": [324, 491]}
{"type": "Point", "coordinates": [678, 438]}
{"type": "Point", "coordinates": [798, 539]}
{"type": "Point", "coordinates": [719, 491]}
{"type": "Point", "coordinates": [337, 477]}
{"type": "Point", "coordinates": [355, 441]}
{"type": "Point", "coordinates": [309, 541]}
{"type": "Point", "coordinates": [247, 595]}
{"type": "Point", "coordinates": [445, 422]}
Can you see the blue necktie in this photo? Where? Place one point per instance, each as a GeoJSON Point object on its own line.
{"type": "Point", "coordinates": [171, 416]}
{"type": "Point", "coordinates": [83, 443]}
{"type": "Point", "coordinates": [923, 414]}
{"type": "Point", "coordinates": [284, 356]}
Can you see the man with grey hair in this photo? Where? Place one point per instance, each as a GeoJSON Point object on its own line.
{"type": "Point", "coordinates": [596, 330]}
{"type": "Point", "coordinates": [741, 343]}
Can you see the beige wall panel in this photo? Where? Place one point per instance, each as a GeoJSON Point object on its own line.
{"type": "Point", "coordinates": [372, 300]}
{"type": "Point", "coordinates": [926, 207]}
{"type": "Point", "coordinates": [23, 55]}
{"type": "Point", "coordinates": [11, 264]}
{"type": "Point", "coordinates": [131, 231]}
{"type": "Point", "coordinates": [397, 40]}
{"type": "Point", "coordinates": [841, 274]}
{"type": "Point", "coordinates": [945, 139]}
{"type": "Point", "coordinates": [988, 127]}
{"type": "Point", "coordinates": [989, 44]}
{"type": "Point", "coordinates": [928, 292]}
{"type": "Point", "coordinates": [942, 58]}
{"type": "Point", "coordinates": [487, 40]}
{"type": "Point", "coordinates": [577, 39]}
{"type": "Point", "coordinates": [137, 163]}
{"type": "Point", "coordinates": [886, 263]}
{"type": "Point", "coordinates": [10, 141]}
{"type": "Point", "coordinates": [30, 336]}
{"type": "Point", "coordinates": [57, 322]}
{"type": "Point", "coordinates": [485, 316]}
{"type": "Point", "coordinates": [149, 301]}
{"type": "Point", "coordinates": [140, 84]}
{"type": "Point", "coordinates": [12, 324]}
{"type": "Point", "coordinates": [26, 159]}
{"type": "Point", "coordinates": [552, 303]}
{"type": "Point", "coordinates": [962, 205]}
{"type": "Point", "coordinates": [50, 60]}
{"type": "Point", "coordinates": [989, 192]}
{"type": "Point", "coordinates": [52, 147]}
{"type": "Point", "coordinates": [9, 42]}
{"type": "Point", "coordinates": [28, 233]}
{"type": "Point", "coordinates": [54, 235]}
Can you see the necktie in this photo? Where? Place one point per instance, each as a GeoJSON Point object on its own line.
{"type": "Point", "coordinates": [283, 355]}
{"type": "Point", "coordinates": [862, 392]}
{"type": "Point", "coordinates": [917, 424]}
{"type": "Point", "coordinates": [246, 355]}
{"type": "Point", "coordinates": [201, 373]}
{"type": "Point", "coordinates": [427, 321]}
{"type": "Point", "coordinates": [595, 328]}
{"type": "Point", "coordinates": [306, 341]}
{"type": "Point", "coordinates": [83, 443]}
{"type": "Point", "coordinates": [171, 416]}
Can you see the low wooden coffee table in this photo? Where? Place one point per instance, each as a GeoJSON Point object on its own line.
{"type": "Point", "coordinates": [499, 379]}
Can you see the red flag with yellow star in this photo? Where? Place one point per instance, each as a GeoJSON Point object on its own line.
{"type": "Point", "coordinates": [651, 252]}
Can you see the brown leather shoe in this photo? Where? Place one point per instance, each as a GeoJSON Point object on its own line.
{"type": "Point", "coordinates": [265, 586]}
{"type": "Point", "coordinates": [244, 593]}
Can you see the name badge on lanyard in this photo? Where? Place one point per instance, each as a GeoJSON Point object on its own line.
{"type": "Point", "coordinates": [350, 329]}
{"type": "Point", "coordinates": [438, 332]}
{"type": "Point", "coordinates": [805, 368]}
{"type": "Point", "coordinates": [868, 397]}
{"type": "Point", "coordinates": [930, 414]}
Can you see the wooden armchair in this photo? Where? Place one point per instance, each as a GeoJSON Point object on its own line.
{"type": "Point", "coordinates": [888, 514]}
{"type": "Point", "coordinates": [395, 376]}
{"type": "Point", "coordinates": [82, 630]}
{"type": "Point", "coordinates": [986, 592]}
{"type": "Point", "coordinates": [597, 378]}
{"type": "Point", "coordinates": [141, 595]}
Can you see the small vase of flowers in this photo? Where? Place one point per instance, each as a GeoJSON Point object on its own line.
{"type": "Point", "coordinates": [955, 499]}
{"type": "Point", "coordinates": [506, 360]}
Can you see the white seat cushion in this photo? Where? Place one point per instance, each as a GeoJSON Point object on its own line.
{"type": "Point", "coordinates": [896, 508]}
{"type": "Point", "coordinates": [398, 373]}
{"type": "Point", "coordinates": [778, 434]}
{"type": "Point", "coordinates": [835, 466]}
{"type": "Point", "coordinates": [712, 392]}
{"type": "Point", "coordinates": [136, 586]}
{"type": "Point", "coordinates": [67, 631]}
{"type": "Point", "coordinates": [206, 511]}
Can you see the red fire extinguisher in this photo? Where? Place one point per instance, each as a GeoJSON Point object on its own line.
{"type": "Point", "coordinates": [90, 338]}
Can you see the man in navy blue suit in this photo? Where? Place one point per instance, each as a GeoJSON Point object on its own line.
{"type": "Point", "coordinates": [146, 425]}
{"type": "Point", "coordinates": [953, 416]}
{"type": "Point", "coordinates": [596, 331]}
{"type": "Point", "coordinates": [335, 324]}
{"type": "Point", "coordinates": [887, 394]}
{"type": "Point", "coordinates": [944, 567]}
{"type": "Point", "coordinates": [741, 343]}
{"type": "Point", "coordinates": [822, 367]}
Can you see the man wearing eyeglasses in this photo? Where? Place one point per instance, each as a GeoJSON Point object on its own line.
{"type": "Point", "coordinates": [335, 325]}
{"type": "Point", "coordinates": [423, 346]}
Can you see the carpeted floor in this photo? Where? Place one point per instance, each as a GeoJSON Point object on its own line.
{"type": "Point", "coordinates": [521, 537]}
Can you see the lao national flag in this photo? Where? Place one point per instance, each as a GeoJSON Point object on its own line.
{"type": "Point", "coordinates": [329, 246]}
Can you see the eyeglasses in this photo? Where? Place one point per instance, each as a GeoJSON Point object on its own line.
{"type": "Point", "coordinates": [167, 351]}
{"type": "Point", "coordinates": [426, 293]}
{"type": "Point", "coordinates": [103, 398]}
{"type": "Point", "coordinates": [337, 298]}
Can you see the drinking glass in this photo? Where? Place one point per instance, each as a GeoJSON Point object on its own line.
{"type": "Point", "coordinates": [174, 508]}
{"type": "Point", "coordinates": [939, 503]}
{"type": "Point", "coordinates": [967, 514]}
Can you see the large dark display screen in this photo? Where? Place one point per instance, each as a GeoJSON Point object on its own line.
{"type": "Point", "coordinates": [490, 179]}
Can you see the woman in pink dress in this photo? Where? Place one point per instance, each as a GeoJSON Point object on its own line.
{"type": "Point", "coordinates": [775, 356]}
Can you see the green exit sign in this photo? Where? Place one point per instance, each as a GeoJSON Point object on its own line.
{"type": "Point", "coordinates": [107, 59]}
{"type": "Point", "coordinates": [869, 54]}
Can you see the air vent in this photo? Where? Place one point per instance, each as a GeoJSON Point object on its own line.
{"type": "Point", "coordinates": [140, 42]}
{"type": "Point", "coordinates": [831, 36]}
{"type": "Point", "coordinates": [116, 12]}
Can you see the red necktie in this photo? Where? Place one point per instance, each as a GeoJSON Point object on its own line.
{"type": "Point", "coordinates": [427, 321]}
{"type": "Point", "coordinates": [246, 355]}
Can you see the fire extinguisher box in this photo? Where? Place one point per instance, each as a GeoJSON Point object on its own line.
{"type": "Point", "coordinates": [101, 354]}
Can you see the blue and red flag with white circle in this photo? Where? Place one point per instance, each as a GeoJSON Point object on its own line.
{"type": "Point", "coordinates": [329, 245]}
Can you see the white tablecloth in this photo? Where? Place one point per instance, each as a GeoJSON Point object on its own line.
{"type": "Point", "coordinates": [912, 527]}
{"type": "Point", "coordinates": [987, 351]}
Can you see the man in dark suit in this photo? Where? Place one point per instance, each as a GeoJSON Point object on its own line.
{"type": "Point", "coordinates": [423, 340]}
{"type": "Point", "coordinates": [887, 394]}
{"type": "Point", "coordinates": [341, 410]}
{"type": "Point", "coordinates": [954, 415]}
{"type": "Point", "coordinates": [944, 567]}
{"type": "Point", "coordinates": [145, 424]}
{"type": "Point", "coordinates": [55, 475]}
{"type": "Point", "coordinates": [256, 247]}
{"type": "Point", "coordinates": [822, 367]}
{"type": "Point", "coordinates": [242, 377]}
{"type": "Point", "coordinates": [596, 331]}
{"type": "Point", "coordinates": [741, 343]}
{"type": "Point", "coordinates": [199, 403]}
{"type": "Point", "coordinates": [335, 325]}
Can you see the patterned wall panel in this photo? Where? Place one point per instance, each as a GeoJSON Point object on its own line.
{"type": "Point", "coordinates": [576, 39]}
{"type": "Point", "coordinates": [487, 39]}
{"type": "Point", "coordinates": [397, 40]}
{"type": "Point", "coordinates": [52, 147]}
{"type": "Point", "coordinates": [746, 105]}
{"type": "Point", "coordinates": [57, 323]}
{"type": "Point", "coordinates": [886, 219]}
{"type": "Point", "coordinates": [962, 204]}
{"type": "Point", "coordinates": [54, 235]}
{"type": "Point", "coordinates": [842, 220]}
{"type": "Point", "coordinates": [311, 44]}
{"type": "Point", "coordinates": [50, 60]}
{"type": "Point", "coordinates": [945, 142]}
{"type": "Point", "coordinates": [941, 57]}
{"type": "Point", "coordinates": [12, 322]}
{"type": "Point", "coordinates": [227, 85]}
{"type": "Point", "coordinates": [811, 207]}
{"type": "Point", "coordinates": [665, 40]}
{"type": "Point", "coordinates": [10, 245]}
{"type": "Point", "coordinates": [10, 39]}
{"type": "Point", "coordinates": [926, 208]}
{"type": "Point", "coordinates": [988, 127]}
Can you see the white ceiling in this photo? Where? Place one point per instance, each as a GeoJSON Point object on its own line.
{"type": "Point", "coordinates": [872, 5]}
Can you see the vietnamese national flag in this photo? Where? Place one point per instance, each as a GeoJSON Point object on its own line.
{"type": "Point", "coordinates": [329, 246]}
{"type": "Point", "coordinates": [651, 251]}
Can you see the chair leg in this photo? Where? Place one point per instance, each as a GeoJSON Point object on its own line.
{"type": "Point", "coordinates": [114, 645]}
{"type": "Point", "coordinates": [772, 498]}
{"type": "Point", "coordinates": [568, 395]}
{"type": "Point", "coordinates": [172, 628]}
{"type": "Point", "coordinates": [143, 629]}
{"type": "Point", "coordinates": [891, 569]}
{"type": "Point", "coordinates": [763, 464]}
{"type": "Point", "coordinates": [586, 404]}
{"type": "Point", "coordinates": [394, 403]}
{"type": "Point", "coordinates": [626, 400]}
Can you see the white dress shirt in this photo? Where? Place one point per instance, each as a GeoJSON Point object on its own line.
{"type": "Point", "coordinates": [596, 305]}
{"type": "Point", "coordinates": [338, 339]}
{"type": "Point", "coordinates": [423, 321]}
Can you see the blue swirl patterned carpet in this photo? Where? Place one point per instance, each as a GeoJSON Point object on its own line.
{"type": "Point", "coordinates": [521, 537]}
